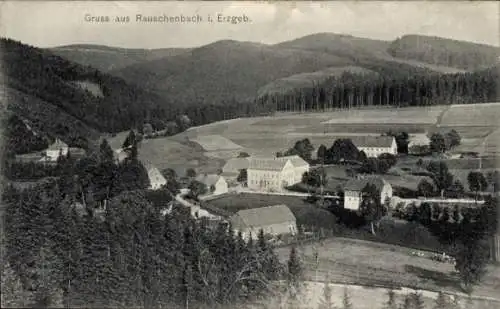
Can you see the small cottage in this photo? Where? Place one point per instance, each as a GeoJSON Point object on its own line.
{"type": "Point", "coordinates": [216, 184]}
{"type": "Point", "coordinates": [353, 190]}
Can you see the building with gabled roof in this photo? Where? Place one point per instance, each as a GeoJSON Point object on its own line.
{"type": "Point", "coordinates": [374, 146]}
{"type": "Point", "coordinates": [353, 190]}
{"type": "Point", "coordinates": [156, 179]}
{"type": "Point", "coordinates": [58, 148]}
{"type": "Point", "coordinates": [275, 174]}
{"type": "Point", "coordinates": [273, 220]}
{"type": "Point", "coordinates": [216, 184]}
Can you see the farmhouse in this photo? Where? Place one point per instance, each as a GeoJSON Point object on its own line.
{"type": "Point", "coordinates": [58, 148]}
{"type": "Point", "coordinates": [353, 191]}
{"type": "Point", "coordinates": [274, 174]}
{"type": "Point", "coordinates": [418, 144]}
{"type": "Point", "coordinates": [156, 179]}
{"type": "Point", "coordinates": [216, 184]}
{"type": "Point", "coordinates": [273, 220]}
{"type": "Point", "coordinates": [374, 146]}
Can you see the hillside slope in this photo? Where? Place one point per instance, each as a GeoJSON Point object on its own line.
{"type": "Point", "coordinates": [441, 51]}
{"type": "Point", "coordinates": [224, 70]}
{"type": "Point", "coordinates": [229, 70]}
{"type": "Point", "coordinates": [106, 58]}
{"type": "Point", "coordinates": [363, 51]}
{"type": "Point", "coordinates": [71, 101]}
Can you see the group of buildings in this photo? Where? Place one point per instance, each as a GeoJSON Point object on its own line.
{"type": "Point", "coordinates": [272, 174]}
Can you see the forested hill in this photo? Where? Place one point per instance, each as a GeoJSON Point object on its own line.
{"type": "Point", "coordinates": [350, 90]}
{"type": "Point", "coordinates": [447, 52]}
{"type": "Point", "coordinates": [63, 97]}
{"type": "Point", "coordinates": [106, 58]}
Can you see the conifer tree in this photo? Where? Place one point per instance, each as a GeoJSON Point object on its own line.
{"type": "Point", "coordinates": [417, 300]}
{"type": "Point", "coordinates": [391, 300]}
{"type": "Point", "coordinates": [326, 301]}
{"type": "Point", "coordinates": [441, 301]}
{"type": "Point", "coordinates": [295, 272]}
{"type": "Point", "coordinates": [13, 294]}
{"type": "Point", "coordinates": [48, 278]}
{"type": "Point", "coordinates": [346, 299]}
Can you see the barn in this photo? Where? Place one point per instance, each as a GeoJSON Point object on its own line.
{"type": "Point", "coordinates": [273, 220]}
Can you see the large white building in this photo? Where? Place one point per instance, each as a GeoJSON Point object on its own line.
{"type": "Point", "coordinates": [272, 220]}
{"type": "Point", "coordinates": [353, 191]}
{"type": "Point", "coordinates": [275, 174]}
{"type": "Point", "coordinates": [374, 146]}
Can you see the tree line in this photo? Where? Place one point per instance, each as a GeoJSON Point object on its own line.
{"type": "Point", "coordinates": [465, 230]}
{"type": "Point", "coordinates": [386, 89]}
{"type": "Point", "coordinates": [64, 249]}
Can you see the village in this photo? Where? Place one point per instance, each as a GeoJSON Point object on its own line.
{"type": "Point", "coordinates": [339, 184]}
{"type": "Point", "coordinates": [299, 156]}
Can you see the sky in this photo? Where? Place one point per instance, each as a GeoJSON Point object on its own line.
{"type": "Point", "coordinates": [49, 24]}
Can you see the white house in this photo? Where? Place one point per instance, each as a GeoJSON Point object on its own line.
{"type": "Point", "coordinates": [275, 174]}
{"type": "Point", "coordinates": [216, 184]}
{"type": "Point", "coordinates": [374, 146]}
{"type": "Point", "coordinates": [353, 191]}
{"type": "Point", "coordinates": [56, 149]}
{"type": "Point", "coordinates": [273, 220]}
{"type": "Point", "coordinates": [156, 179]}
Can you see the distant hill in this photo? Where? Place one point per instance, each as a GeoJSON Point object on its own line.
{"type": "Point", "coordinates": [61, 98]}
{"type": "Point", "coordinates": [447, 52]}
{"type": "Point", "coordinates": [339, 44]}
{"type": "Point", "coordinates": [362, 51]}
{"type": "Point", "coordinates": [231, 70]}
{"type": "Point", "coordinates": [106, 58]}
{"type": "Point", "coordinates": [224, 70]}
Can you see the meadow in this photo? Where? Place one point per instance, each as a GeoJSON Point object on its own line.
{"type": "Point", "coordinates": [374, 264]}
{"type": "Point", "coordinates": [207, 147]}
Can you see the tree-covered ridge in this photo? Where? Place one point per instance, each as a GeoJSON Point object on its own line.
{"type": "Point", "coordinates": [41, 74]}
{"type": "Point", "coordinates": [440, 51]}
{"type": "Point", "coordinates": [392, 87]}
{"type": "Point", "coordinates": [133, 257]}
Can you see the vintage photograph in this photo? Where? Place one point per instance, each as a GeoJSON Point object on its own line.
{"type": "Point", "coordinates": [255, 155]}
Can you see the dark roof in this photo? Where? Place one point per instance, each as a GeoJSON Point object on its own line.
{"type": "Point", "coordinates": [276, 163]}
{"type": "Point", "coordinates": [264, 216]}
{"type": "Point", "coordinates": [234, 165]}
{"type": "Point", "coordinates": [360, 184]}
{"type": "Point", "coordinates": [208, 180]}
{"type": "Point", "coordinates": [372, 141]}
{"type": "Point", "coordinates": [271, 164]}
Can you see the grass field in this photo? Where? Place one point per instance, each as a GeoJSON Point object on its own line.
{"type": "Point", "coordinates": [369, 263]}
{"type": "Point", "coordinates": [472, 115]}
{"type": "Point", "coordinates": [270, 134]}
{"type": "Point", "coordinates": [215, 143]}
